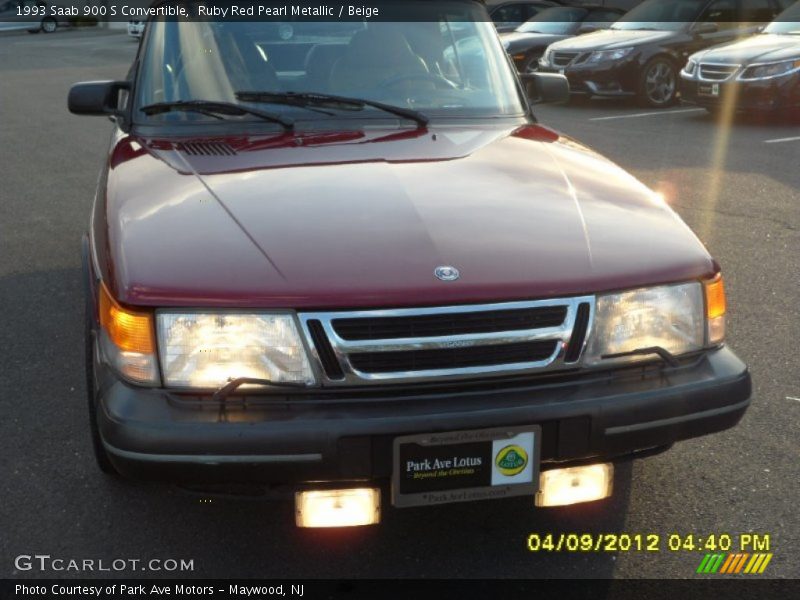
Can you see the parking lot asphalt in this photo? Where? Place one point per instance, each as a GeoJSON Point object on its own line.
{"type": "Point", "coordinates": [737, 185]}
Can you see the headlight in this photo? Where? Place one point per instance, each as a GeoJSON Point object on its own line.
{"type": "Point", "coordinates": [671, 317]}
{"type": "Point", "coordinates": [205, 350]}
{"type": "Point", "coordinates": [690, 68]}
{"type": "Point", "coordinates": [771, 70]}
{"type": "Point", "coordinates": [609, 55]}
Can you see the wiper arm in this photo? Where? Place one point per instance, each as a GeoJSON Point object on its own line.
{"type": "Point", "coordinates": [233, 384]}
{"type": "Point", "coordinates": [305, 99]}
{"type": "Point", "coordinates": [214, 109]}
{"type": "Point", "coordinates": [663, 353]}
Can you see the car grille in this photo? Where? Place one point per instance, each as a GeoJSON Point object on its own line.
{"type": "Point", "coordinates": [384, 346]}
{"type": "Point", "coordinates": [563, 59]}
{"type": "Point", "coordinates": [711, 72]}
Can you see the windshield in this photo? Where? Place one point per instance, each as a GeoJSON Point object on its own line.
{"type": "Point", "coordinates": [662, 15]}
{"type": "Point", "coordinates": [557, 21]}
{"type": "Point", "coordinates": [450, 66]}
{"type": "Point", "coordinates": [786, 23]}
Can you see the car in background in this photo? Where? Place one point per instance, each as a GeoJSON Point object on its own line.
{"type": "Point", "coordinates": [760, 73]}
{"type": "Point", "coordinates": [507, 15]}
{"type": "Point", "coordinates": [30, 15]}
{"type": "Point", "coordinates": [642, 54]}
{"type": "Point", "coordinates": [527, 43]}
{"type": "Point", "coordinates": [135, 28]}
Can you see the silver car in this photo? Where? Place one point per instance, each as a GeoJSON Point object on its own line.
{"type": "Point", "coordinates": [31, 15]}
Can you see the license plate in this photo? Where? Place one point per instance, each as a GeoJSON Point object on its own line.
{"type": "Point", "coordinates": [709, 90]}
{"type": "Point", "coordinates": [460, 466]}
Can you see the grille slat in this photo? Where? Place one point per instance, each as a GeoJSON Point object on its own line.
{"type": "Point", "coordinates": [717, 72]}
{"type": "Point", "coordinates": [562, 59]}
{"type": "Point", "coordinates": [452, 358]}
{"type": "Point", "coordinates": [449, 324]}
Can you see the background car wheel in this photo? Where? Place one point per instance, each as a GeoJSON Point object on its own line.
{"type": "Point", "coordinates": [658, 85]}
{"type": "Point", "coordinates": [531, 64]}
{"type": "Point", "coordinates": [49, 25]}
{"type": "Point", "coordinates": [100, 454]}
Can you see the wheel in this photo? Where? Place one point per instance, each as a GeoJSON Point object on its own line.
{"type": "Point", "coordinates": [49, 25]}
{"type": "Point", "coordinates": [658, 85]}
{"type": "Point", "coordinates": [100, 454]}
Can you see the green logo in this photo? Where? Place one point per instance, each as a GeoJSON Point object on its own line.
{"type": "Point", "coordinates": [511, 460]}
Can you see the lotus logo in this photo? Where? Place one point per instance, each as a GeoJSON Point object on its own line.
{"type": "Point", "coordinates": [446, 273]}
{"type": "Point", "coordinates": [511, 460]}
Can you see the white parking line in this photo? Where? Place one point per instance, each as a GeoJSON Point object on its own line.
{"type": "Point", "coordinates": [792, 398]}
{"type": "Point", "coordinates": [649, 114]}
{"type": "Point", "coordinates": [781, 140]}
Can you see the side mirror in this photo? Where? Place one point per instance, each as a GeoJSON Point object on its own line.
{"type": "Point", "coordinates": [701, 28]}
{"type": "Point", "coordinates": [96, 98]}
{"type": "Point", "coordinates": [587, 29]}
{"type": "Point", "coordinates": [546, 88]}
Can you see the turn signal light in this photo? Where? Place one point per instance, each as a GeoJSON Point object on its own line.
{"type": "Point", "coordinates": [715, 310]}
{"type": "Point", "coordinates": [127, 339]}
{"type": "Point", "coordinates": [338, 508]}
{"type": "Point", "coordinates": [130, 331]}
{"type": "Point", "coordinates": [561, 487]}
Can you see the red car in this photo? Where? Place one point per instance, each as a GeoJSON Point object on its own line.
{"type": "Point", "coordinates": [343, 259]}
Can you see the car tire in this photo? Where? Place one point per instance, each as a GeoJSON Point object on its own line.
{"type": "Point", "coordinates": [658, 83]}
{"type": "Point", "coordinates": [100, 454]}
{"type": "Point", "coordinates": [49, 25]}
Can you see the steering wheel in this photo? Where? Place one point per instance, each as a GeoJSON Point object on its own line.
{"type": "Point", "coordinates": [438, 81]}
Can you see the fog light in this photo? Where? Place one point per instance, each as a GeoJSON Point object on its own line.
{"type": "Point", "coordinates": [561, 487]}
{"type": "Point", "coordinates": [338, 508]}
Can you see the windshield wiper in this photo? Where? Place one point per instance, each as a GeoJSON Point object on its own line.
{"type": "Point", "coordinates": [233, 384]}
{"type": "Point", "coordinates": [215, 109]}
{"type": "Point", "coordinates": [306, 99]}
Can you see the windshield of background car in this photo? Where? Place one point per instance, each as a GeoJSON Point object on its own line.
{"type": "Point", "coordinates": [786, 23]}
{"type": "Point", "coordinates": [557, 21]}
{"type": "Point", "coordinates": [663, 15]}
{"type": "Point", "coordinates": [452, 65]}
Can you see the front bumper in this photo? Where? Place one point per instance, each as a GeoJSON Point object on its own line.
{"type": "Point", "coordinates": [618, 79]}
{"type": "Point", "coordinates": [154, 435]}
{"type": "Point", "coordinates": [769, 95]}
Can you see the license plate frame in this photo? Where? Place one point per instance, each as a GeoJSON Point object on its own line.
{"type": "Point", "coordinates": [498, 475]}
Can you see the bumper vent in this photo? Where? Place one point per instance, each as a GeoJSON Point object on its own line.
{"type": "Point", "coordinates": [423, 344]}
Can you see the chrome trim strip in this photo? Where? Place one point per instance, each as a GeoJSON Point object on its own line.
{"type": "Point", "coordinates": [343, 348]}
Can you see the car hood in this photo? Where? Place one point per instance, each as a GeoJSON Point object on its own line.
{"type": "Point", "coordinates": [358, 219]}
{"type": "Point", "coordinates": [516, 41]}
{"type": "Point", "coordinates": [758, 48]}
{"type": "Point", "coordinates": [610, 39]}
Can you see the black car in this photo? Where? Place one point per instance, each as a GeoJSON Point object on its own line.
{"type": "Point", "coordinates": [760, 73]}
{"type": "Point", "coordinates": [642, 53]}
{"type": "Point", "coordinates": [507, 15]}
{"type": "Point", "coordinates": [527, 43]}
